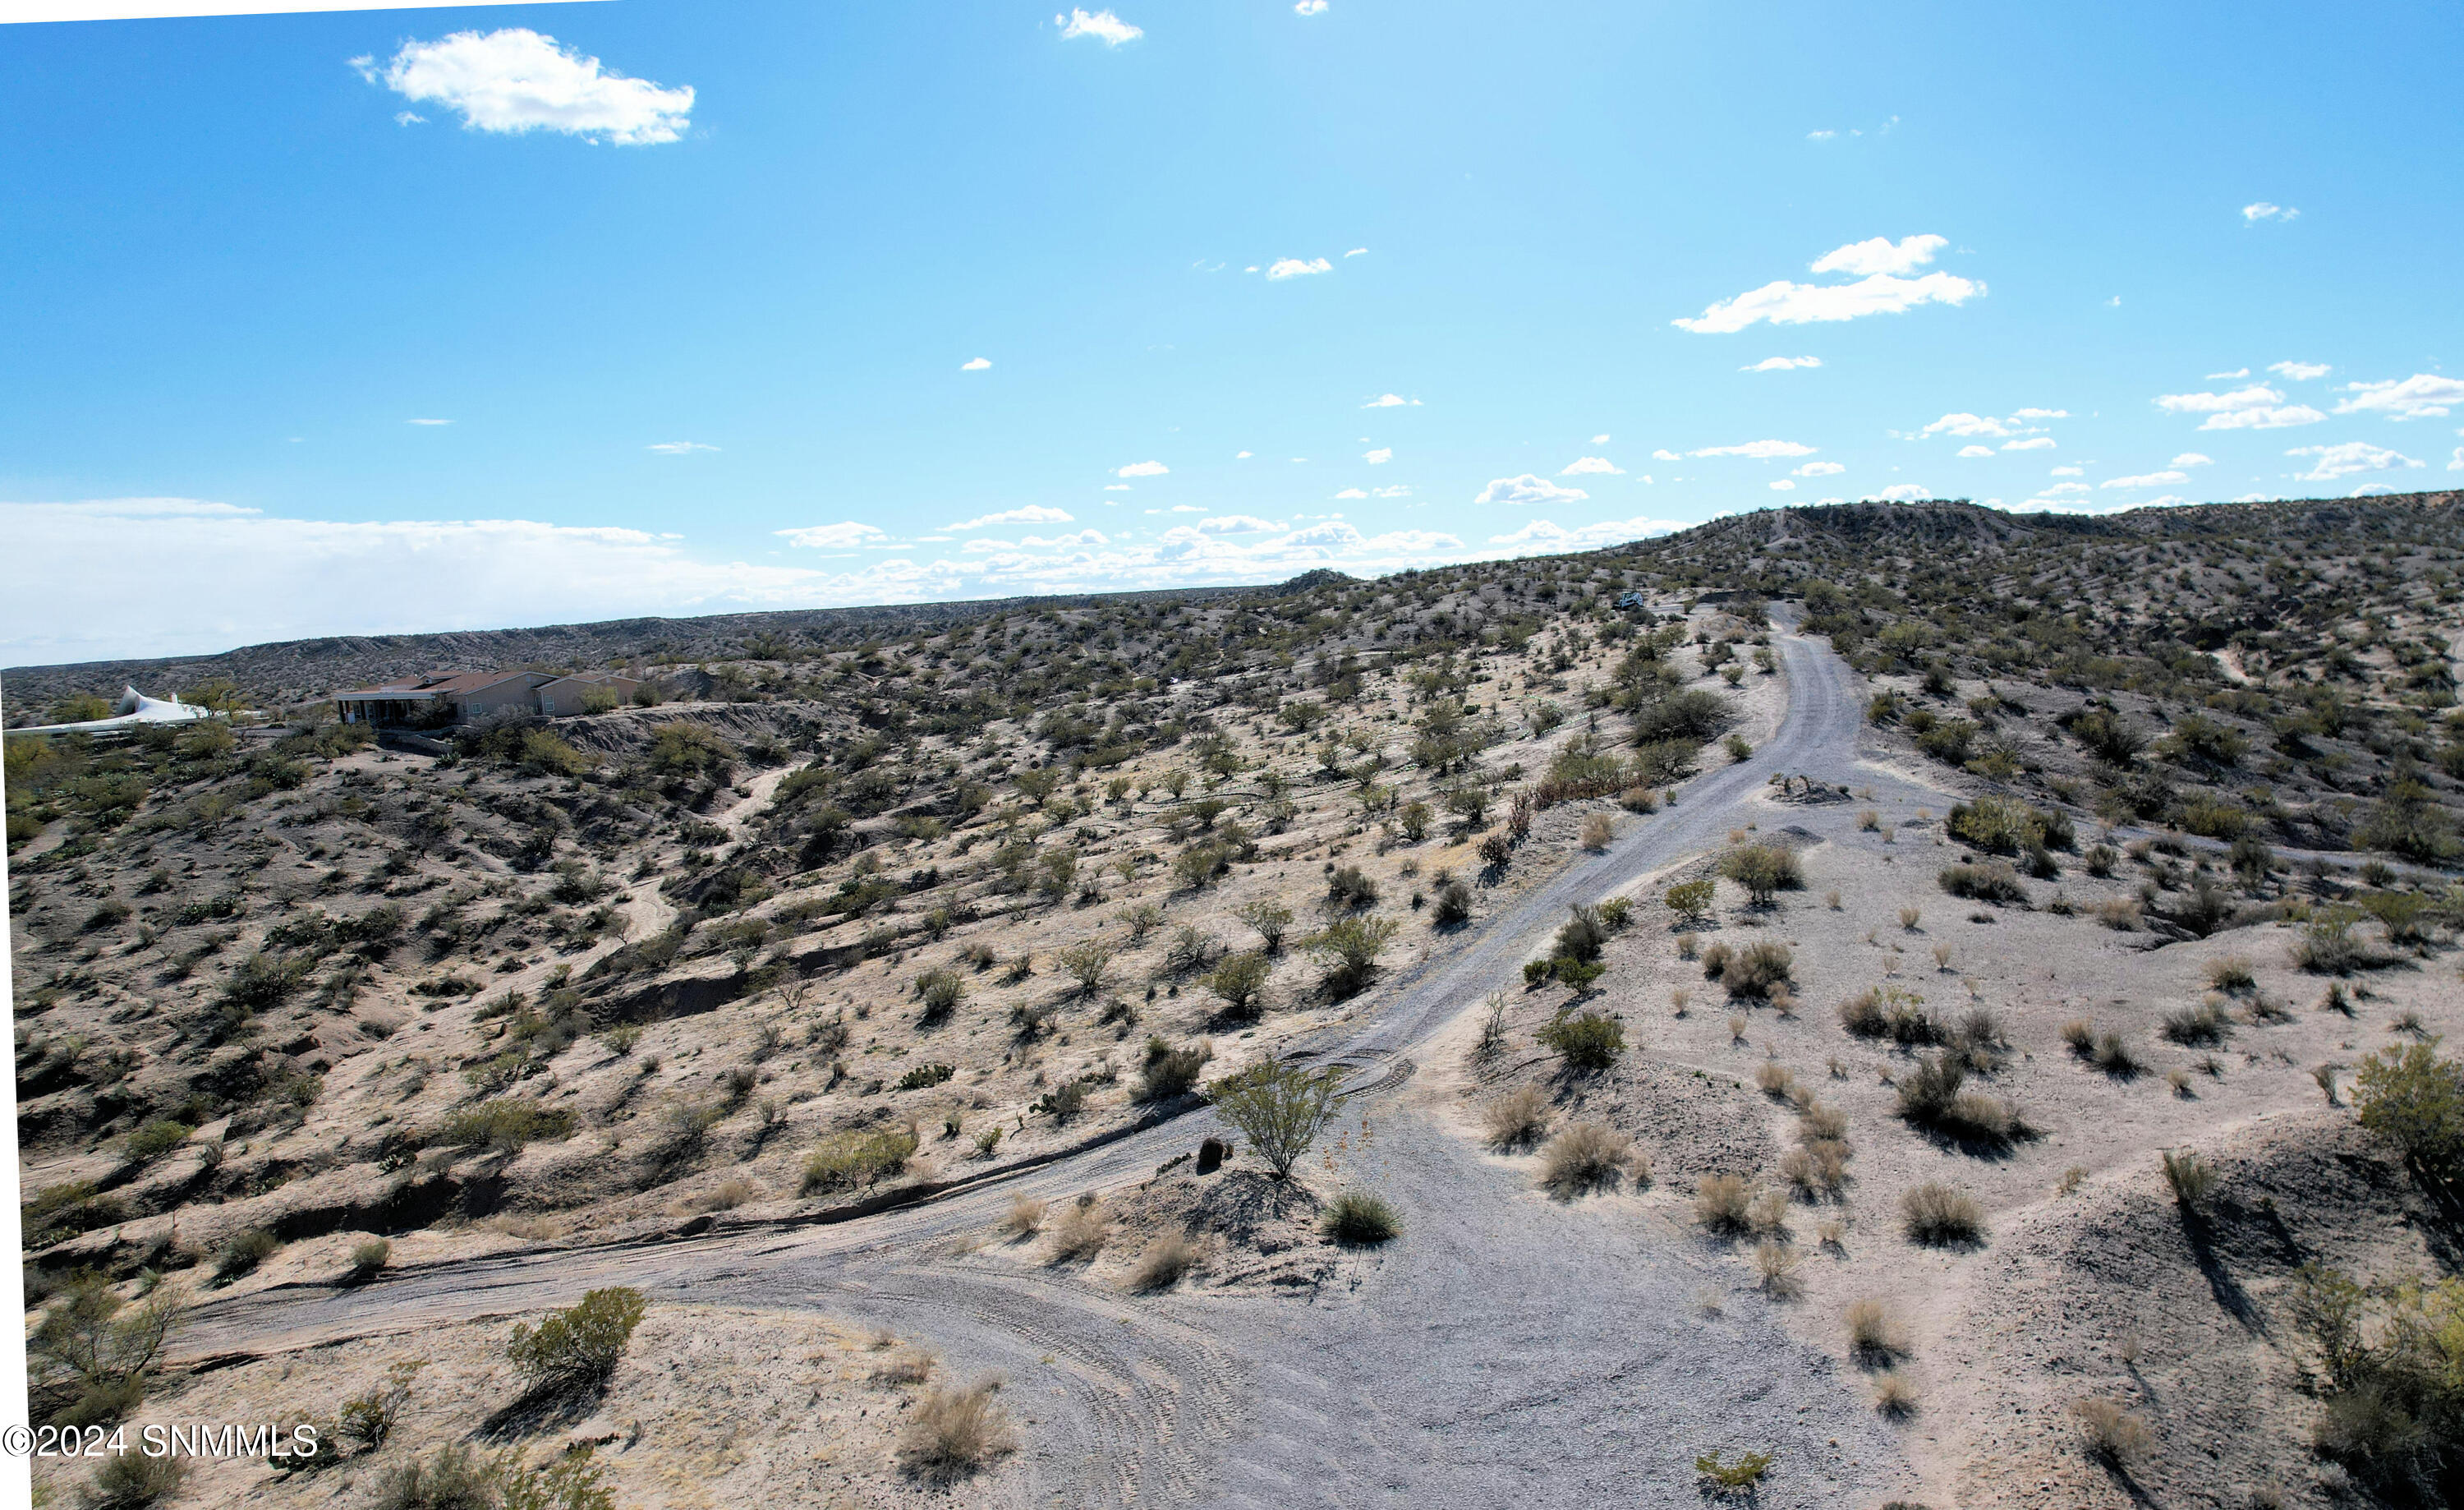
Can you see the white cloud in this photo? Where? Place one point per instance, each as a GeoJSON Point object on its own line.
{"type": "Point", "coordinates": [1821, 136]}
{"type": "Point", "coordinates": [408, 117]}
{"type": "Point", "coordinates": [2192, 459]}
{"type": "Point", "coordinates": [2297, 371]}
{"type": "Point", "coordinates": [979, 365]}
{"type": "Point", "coordinates": [1379, 457]}
{"type": "Point", "coordinates": [2352, 456]}
{"type": "Point", "coordinates": [1664, 455]}
{"type": "Point", "coordinates": [1390, 401]}
{"type": "Point", "coordinates": [1142, 469]}
{"type": "Point", "coordinates": [1541, 534]}
{"type": "Point", "coordinates": [1786, 303]}
{"type": "Point", "coordinates": [1103, 25]}
{"type": "Point", "coordinates": [2228, 377]}
{"type": "Point", "coordinates": [1309, 8]}
{"type": "Point", "coordinates": [2253, 214]}
{"type": "Point", "coordinates": [2032, 443]}
{"type": "Point", "coordinates": [517, 81]}
{"type": "Point", "coordinates": [1880, 255]}
{"type": "Point", "coordinates": [1759, 450]}
{"type": "Point", "coordinates": [1600, 440]}
{"type": "Point", "coordinates": [2064, 489]}
{"type": "Point", "coordinates": [1586, 466]}
{"type": "Point", "coordinates": [1031, 514]}
{"type": "Point", "coordinates": [680, 447]}
{"type": "Point", "coordinates": [1976, 451]}
{"type": "Point", "coordinates": [1116, 487]}
{"type": "Point", "coordinates": [1904, 492]}
{"type": "Point", "coordinates": [1964, 424]}
{"type": "Point", "coordinates": [2073, 472]}
{"type": "Point", "coordinates": [2422, 395]}
{"type": "Point", "coordinates": [845, 536]}
{"type": "Point", "coordinates": [1783, 485]}
{"type": "Point", "coordinates": [1398, 490]}
{"type": "Point", "coordinates": [1782, 364]}
{"type": "Point", "coordinates": [1236, 524]}
{"type": "Point", "coordinates": [2041, 413]}
{"type": "Point", "coordinates": [2455, 463]}
{"type": "Point", "coordinates": [2151, 480]}
{"type": "Point", "coordinates": [1242, 455]}
{"type": "Point", "coordinates": [1528, 489]}
{"type": "Point", "coordinates": [428, 421]}
{"type": "Point", "coordinates": [1352, 493]}
{"type": "Point", "coordinates": [1358, 251]}
{"type": "Point", "coordinates": [1818, 469]}
{"type": "Point", "coordinates": [1294, 267]}
{"type": "Point", "coordinates": [2257, 406]}
{"type": "Point", "coordinates": [1187, 508]}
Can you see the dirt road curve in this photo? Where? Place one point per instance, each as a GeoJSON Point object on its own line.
{"type": "Point", "coordinates": [1510, 1351]}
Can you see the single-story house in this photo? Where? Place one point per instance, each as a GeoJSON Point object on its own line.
{"type": "Point", "coordinates": [452, 696]}
{"type": "Point", "coordinates": [564, 697]}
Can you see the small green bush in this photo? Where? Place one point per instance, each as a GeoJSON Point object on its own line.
{"type": "Point", "coordinates": [157, 1138]}
{"type": "Point", "coordinates": [1991, 882]}
{"type": "Point", "coordinates": [2414, 1100]}
{"type": "Point", "coordinates": [845, 1161]}
{"type": "Point", "coordinates": [1763, 871]}
{"type": "Point", "coordinates": [1691, 901]}
{"type": "Point", "coordinates": [244, 1252]}
{"type": "Point", "coordinates": [1360, 1219]}
{"type": "Point", "coordinates": [505, 1122]}
{"type": "Point", "coordinates": [1586, 1040]}
{"type": "Point", "coordinates": [581, 1345]}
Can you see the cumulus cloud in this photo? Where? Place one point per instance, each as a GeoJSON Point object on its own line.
{"type": "Point", "coordinates": [1782, 364]}
{"type": "Point", "coordinates": [2257, 406]}
{"type": "Point", "coordinates": [517, 81]}
{"type": "Point", "coordinates": [2073, 472]}
{"type": "Point", "coordinates": [1818, 469]}
{"type": "Point", "coordinates": [1142, 469]}
{"type": "Point", "coordinates": [1904, 492]}
{"type": "Point", "coordinates": [680, 447]}
{"type": "Point", "coordinates": [1031, 514]}
{"type": "Point", "coordinates": [2330, 462]}
{"type": "Point", "coordinates": [1352, 493]}
{"type": "Point", "coordinates": [1976, 451]}
{"type": "Point", "coordinates": [1397, 490]}
{"type": "Point", "coordinates": [2297, 371]}
{"type": "Point", "coordinates": [1242, 455]}
{"type": "Point", "coordinates": [843, 536]}
{"type": "Point", "coordinates": [2424, 395]}
{"type": "Point", "coordinates": [1585, 466]}
{"type": "Point", "coordinates": [1759, 450]}
{"type": "Point", "coordinates": [2192, 459]}
{"type": "Point", "coordinates": [1389, 400]}
{"type": "Point", "coordinates": [1965, 424]}
{"type": "Point", "coordinates": [1881, 288]}
{"type": "Point", "coordinates": [1296, 267]}
{"type": "Point", "coordinates": [1881, 254]}
{"type": "Point", "coordinates": [2031, 443]}
{"type": "Point", "coordinates": [1528, 488]}
{"type": "Point", "coordinates": [1665, 455]}
{"type": "Point", "coordinates": [1379, 457]}
{"type": "Point", "coordinates": [1542, 535]}
{"type": "Point", "coordinates": [1235, 525]}
{"type": "Point", "coordinates": [2228, 377]}
{"type": "Point", "coordinates": [2253, 214]}
{"type": "Point", "coordinates": [1783, 485]}
{"type": "Point", "coordinates": [1103, 25]}
{"type": "Point", "coordinates": [2455, 463]}
{"type": "Point", "coordinates": [1309, 7]}
{"type": "Point", "coordinates": [2149, 480]}
{"type": "Point", "coordinates": [979, 365]}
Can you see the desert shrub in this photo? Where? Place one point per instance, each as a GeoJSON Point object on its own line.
{"type": "Point", "coordinates": [1064, 1100]}
{"type": "Point", "coordinates": [244, 1252]}
{"type": "Point", "coordinates": [2414, 1100]}
{"type": "Point", "coordinates": [2188, 1176]}
{"type": "Point", "coordinates": [1347, 886]}
{"type": "Point", "coordinates": [155, 1139]}
{"type": "Point", "coordinates": [452, 1479]}
{"type": "Point", "coordinates": [1165, 1261]}
{"type": "Point", "coordinates": [1724, 1202]}
{"type": "Point", "coordinates": [1746, 1472]}
{"type": "Point", "coordinates": [2205, 1023]}
{"type": "Point", "coordinates": [1584, 1157]}
{"type": "Point", "coordinates": [1167, 1074]}
{"type": "Point", "coordinates": [368, 1418]}
{"type": "Point", "coordinates": [1598, 828]}
{"type": "Point", "coordinates": [1085, 962]}
{"type": "Point", "coordinates": [952, 1434]}
{"type": "Point", "coordinates": [2328, 946]}
{"type": "Point", "coordinates": [1279, 1108]}
{"type": "Point", "coordinates": [580, 1344]}
{"type": "Point", "coordinates": [1585, 1041]}
{"type": "Point", "coordinates": [1360, 1219]}
{"type": "Point", "coordinates": [1875, 1334]}
{"type": "Point", "coordinates": [91, 1358]}
{"type": "Point", "coordinates": [504, 1122]}
{"type": "Point", "coordinates": [1939, 1215]}
{"type": "Point", "coordinates": [845, 1161]}
{"type": "Point", "coordinates": [2111, 1435]}
{"type": "Point", "coordinates": [1691, 901]}
{"type": "Point", "coordinates": [1350, 946]}
{"type": "Point", "coordinates": [1240, 983]}
{"type": "Point", "coordinates": [1889, 1011]}
{"type": "Point", "coordinates": [1516, 1119]}
{"type": "Point", "coordinates": [131, 1481]}
{"type": "Point", "coordinates": [1083, 1231]}
{"type": "Point", "coordinates": [1762, 870]}
{"type": "Point", "coordinates": [1931, 1097]}
{"type": "Point", "coordinates": [1757, 968]}
{"type": "Point", "coordinates": [1582, 936]}
{"type": "Point", "coordinates": [924, 1077]}
{"type": "Point", "coordinates": [2005, 826]}
{"type": "Point", "coordinates": [2394, 1391]}
{"type": "Point", "coordinates": [1895, 1394]}
{"type": "Point", "coordinates": [368, 1260]}
{"type": "Point", "coordinates": [1453, 903]}
{"type": "Point", "coordinates": [942, 990]}
{"type": "Point", "coordinates": [1991, 882]}
{"type": "Point", "coordinates": [1026, 1217]}
{"type": "Point", "coordinates": [1270, 918]}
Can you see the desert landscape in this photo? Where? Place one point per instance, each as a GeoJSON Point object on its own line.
{"type": "Point", "coordinates": [1879, 1004]}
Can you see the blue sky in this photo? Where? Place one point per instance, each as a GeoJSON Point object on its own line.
{"type": "Point", "coordinates": [698, 314]}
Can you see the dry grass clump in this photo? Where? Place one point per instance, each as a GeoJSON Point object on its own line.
{"type": "Point", "coordinates": [1875, 1336]}
{"type": "Point", "coordinates": [1994, 880]}
{"type": "Point", "coordinates": [1360, 1219]}
{"type": "Point", "coordinates": [2104, 1050]}
{"type": "Point", "coordinates": [2189, 1176]}
{"type": "Point", "coordinates": [1931, 1097]}
{"type": "Point", "coordinates": [953, 1433]}
{"type": "Point", "coordinates": [1724, 1202]}
{"type": "Point", "coordinates": [726, 1197]}
{"type": "Point", "coordinates": [1894, 1395]}
{"type": "Point", "coordinates": [1026, 1217]}
{"type": "Point", "coordinates": [1939, 1215]}
{"type": "Point", "coordinates": [1889, 1011]}
{"type": "Point", "coordinates": [1083, 1231]}
{"type": "Point", "coordinates": [1597, 829]}
{"type": "Point", "coordinates": [2112, 1436]}
{"type": "Point", "coordinates": [911, 1368]}
{"type": "Point", "coordinates": [1165, 1261]}
{"type": "Point", "coordinates": [1754, 970]}
{"type": "Point", "coordinates": [2231, 973]}
{"type": "Point", "coordinates": [1774, 1079]}
{"type": "Point", "coordinates": [1775, 1265]}
{"type": "Point", "coordinates": [2205, 1023]}
{"type": "Point", "coordinates": [1517, 1118]}
{"type": "Point", "coordinates": [2121, 914]}
{"type": "Point", "coordinates": [1588, 1156]}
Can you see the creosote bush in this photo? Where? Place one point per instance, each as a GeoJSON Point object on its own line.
{"type": "Point", "coordinates": [580, 1344]}
{"type": "Point", "coordinates": [1587, 1040]}
{"type": "Point", "coordinates": [1763, 871]}
{"type": "Point", "coordinates": [1279, 1108]}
